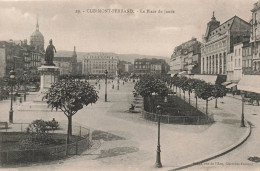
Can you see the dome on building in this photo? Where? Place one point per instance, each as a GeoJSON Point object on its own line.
{"type": "Point", "coordinates": [37, 39]}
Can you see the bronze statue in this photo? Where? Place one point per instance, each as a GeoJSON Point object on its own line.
{"type": "Point", "coordinates": [49, 55]}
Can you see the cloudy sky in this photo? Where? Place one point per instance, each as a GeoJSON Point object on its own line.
{"type": "Point", "coordinates": [142, 33]}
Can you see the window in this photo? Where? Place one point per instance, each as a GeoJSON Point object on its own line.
{"type": "Point", "coordinates": [235, 52]}
{"type": "Point", "coordinates": [239, 52]}
{"type": "Point", "coordinates": [239, 62]}
{"type": "Point", "coordinates": [244, 64]}
{"type": "Point", "coordinates": [235, 62]}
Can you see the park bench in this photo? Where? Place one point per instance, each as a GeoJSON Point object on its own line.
{"type": "Point", "coordinates": [5, 124]}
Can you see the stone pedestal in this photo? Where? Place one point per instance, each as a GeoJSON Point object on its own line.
{"type": "Point", "coordinates": [49, 75]}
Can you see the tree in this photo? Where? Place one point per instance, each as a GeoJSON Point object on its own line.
{"type": "Point", "coordinates": [195, 87]}
{"type": "Point", "coordinates": [70, 96]}
{"type": "Point", "coordinates": [175, 81]}
{"type": "Point", "coordinates": [218, 91]}
{"type": "Point", "coordinates": [149, 85]}
{"type": "Point", "coordinates": [191, 83]}
{"type": "Point", "coordinates": [204, 91]}
{"type": "Point", "coordinates": [183, 84]}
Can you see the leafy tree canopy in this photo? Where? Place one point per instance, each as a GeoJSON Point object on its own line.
{"type": "Point", "coordinates": [148, 85]}
{"type": "Point", "coordinates": [70, 96]}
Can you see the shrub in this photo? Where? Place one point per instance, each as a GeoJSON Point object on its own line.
{"type": "Point", "coordinates": [37, 135]}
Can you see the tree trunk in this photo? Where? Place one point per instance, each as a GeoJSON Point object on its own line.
{"type": "Point", "coordinates": [207, 107]}
{"type": "Point", "coordinates": [70, 125]}
{"type": "Point", "coordinates": [189, 98]}
{"type": "Point", "coordinates": [176, 91]}
{"type": "Point", "coordinates": [216, 103]}
{"type": "Point", "coordinates": [184, 95]}
{"type": "Point", "coordinates": [196, 102]}
{"type": "Point", "coordinates": [69, 133]}
{"type": "Point", "coordinates": [152, 104]}
{"type": "Point", "coordinates": [180, 92]}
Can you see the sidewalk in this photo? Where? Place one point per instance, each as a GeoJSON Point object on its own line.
{"type": "Point", "coordinates": [180, 144]}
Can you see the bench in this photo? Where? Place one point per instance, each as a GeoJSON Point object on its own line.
{"type": "Point", "coordinates": [5, 124]}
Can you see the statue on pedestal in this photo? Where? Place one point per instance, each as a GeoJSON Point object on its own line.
{"type": "Point", "coordinates": [49, 55]}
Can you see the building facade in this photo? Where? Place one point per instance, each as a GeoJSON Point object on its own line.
{"type": "Point", "coordinates": [97, 64]}
{"type": "Point", "coordinates": [67, 63]}
{"type": "Point", "coordinates": [255, 37]}
{"type": "Point", "coordinates": [230, 67]}
{"type": "Point", "coordinates": [237, 62]}
{"type": "Point", "coordinates": [186, 57]}
{"type": "Point", "coordinates": [142, 66]}
{"type": "Point", "coordinates": [125, 67]}
{"type": "Point", "coordinates": [247, 59]}
{"type": "Point", "coordinates": [219, 41]}
{"type": "Point", "coordinates": [11, 57]}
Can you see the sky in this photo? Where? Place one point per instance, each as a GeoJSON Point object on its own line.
{"type": "Point", "coordinates": [139, 33]}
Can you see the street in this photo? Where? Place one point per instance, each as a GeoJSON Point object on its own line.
{"type": "Point", "coordinates": [180, 144]}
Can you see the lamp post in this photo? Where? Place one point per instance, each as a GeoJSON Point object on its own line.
{"type": "Point", "coordinates": [158, 163]}
{"type": "Point", "coordinates": [25, 74]}
{"type": "Point", "coordinates": [11, 112]}
{"type": "Point", "coordinates": [242, 117]}
{"type": "Point", "coordinates": [106, 85]}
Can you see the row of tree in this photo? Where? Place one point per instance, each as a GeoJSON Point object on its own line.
{"type": "Point", "coordinates": [149, 85]}
{"type": "Point", "coordinates": [152, 84]}
{"type": "Point", "coordinates": [202, 89]}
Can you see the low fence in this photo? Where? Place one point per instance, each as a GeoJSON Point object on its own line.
{"type": "Point", "coordinates": [185, 120]}
{"type": "Point", "coordinates": [175, 118]}
{"type": "Point", "coordinates": [81, 140]}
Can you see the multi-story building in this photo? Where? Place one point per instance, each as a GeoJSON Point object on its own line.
{"type": "Point", "coordinates": [247, 58]}
{"type": "Point", "coordinates": [251, 78]}
{"type": "Point", "coordinates": [142, 66]}
{"type": "Point", "coordinates": [97, 64]}
{"type": "Point", "coordinates": [156, 68]}
{"type": "Point", "coordinates": [230, 67]}
{"type": "Point", "coordinates": [129, 67]}
{"type": "Point", "coordinates": [67, 62]}
{"type": "Point", "coordinates": [237, 62]}
{"type": "Point", "coordinates": [255, 37]}
{"type": "Point", "coordinates": [11, 57]}
{"type": "Point", "coordinates": [150, 66]}
{"type": "Point", "coordinates": [186, 57]}
{"type": "Point", "coordinates": [125, 67]}
{"type": "Point", "coordinates": [219, 41]}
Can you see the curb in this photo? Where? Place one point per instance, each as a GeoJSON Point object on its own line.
{"type": "Point", "coordinates": [219, 153]}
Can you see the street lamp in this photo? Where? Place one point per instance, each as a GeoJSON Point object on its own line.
{"type": "Point", "coordinates": [106, 85]}
{"type": "Point", "coordinates": [242, 117]}
{"type": "Point", "coordinates": [25, 74]}
{"type": "Point", "coordinates": [11, 112]}
{"type": "Point", "coordinates": [158, 163]}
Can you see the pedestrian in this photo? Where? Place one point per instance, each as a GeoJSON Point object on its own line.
{"type": "Point", "coordinates": [99, 86]}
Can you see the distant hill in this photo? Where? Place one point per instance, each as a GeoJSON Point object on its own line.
{"type": "Point", "coordinates": [125, 57]}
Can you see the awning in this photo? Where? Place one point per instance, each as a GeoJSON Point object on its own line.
{"type": "Point", "coordinates": [231, 85]}
{"type": "Point", "coordinates": [226, 83]}
{"type": "Point", "coordinates": [208, 78]}
{"type": "Point", "coordinates": [249, 83]}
